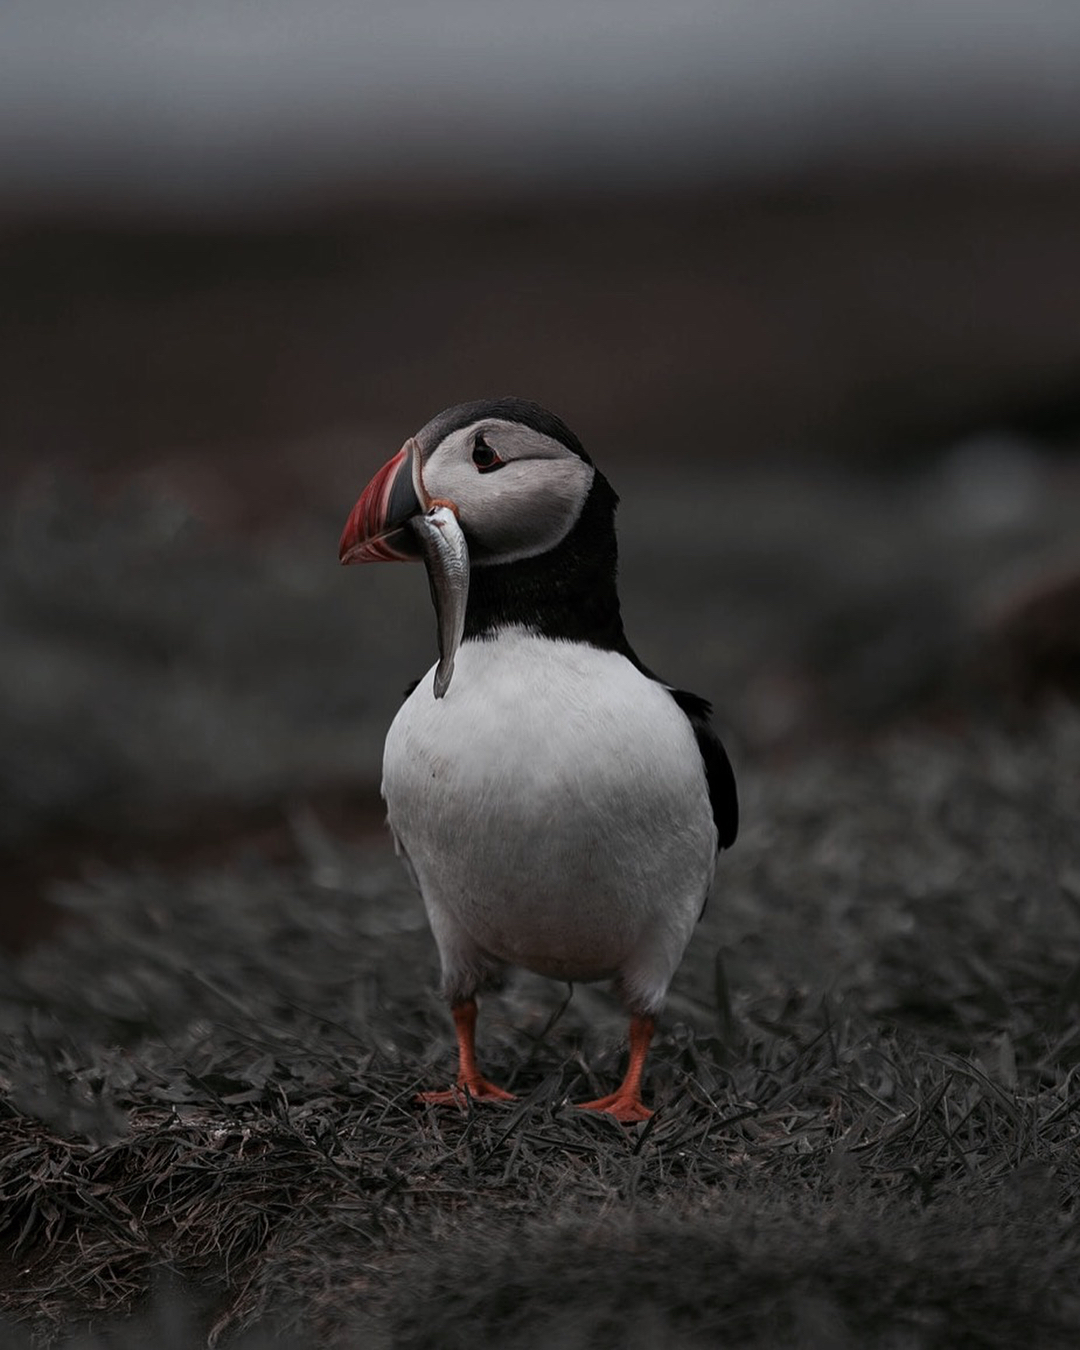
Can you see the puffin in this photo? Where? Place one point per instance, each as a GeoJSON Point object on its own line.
{"type": "Point", "coordinates": [558, 806]}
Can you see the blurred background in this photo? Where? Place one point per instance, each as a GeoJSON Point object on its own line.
{"type": "Point", "coordinates": [803, 274]}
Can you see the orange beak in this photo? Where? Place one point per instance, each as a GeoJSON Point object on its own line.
{"type": "Point", "coordinates": [378, 526]}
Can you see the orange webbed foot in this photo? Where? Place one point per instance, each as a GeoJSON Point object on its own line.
{"type": "Point", "coordinates": [625, 1102]}
{"type": "Point", "coordinates": [626, 1109]}
{"type": "Point", "coordinates": [470, 1081]}
{"type": "Point", "coordinates": [479, 1089]}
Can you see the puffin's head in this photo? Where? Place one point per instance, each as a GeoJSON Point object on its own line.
{"type": "Point", "coordinates": [514, 474]}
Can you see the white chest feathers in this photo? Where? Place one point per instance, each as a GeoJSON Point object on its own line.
{"type": "Point", "coordinates": [555, 812]}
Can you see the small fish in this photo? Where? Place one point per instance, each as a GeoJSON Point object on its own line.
{"type": "Point", "coordinates": [446, 556]}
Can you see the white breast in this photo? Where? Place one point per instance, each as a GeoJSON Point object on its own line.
{"type": "Point", "coordinates": [554, 809]}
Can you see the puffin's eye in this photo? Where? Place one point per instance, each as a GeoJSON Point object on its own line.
{"type": "Point", "coordinates": [485, 459]}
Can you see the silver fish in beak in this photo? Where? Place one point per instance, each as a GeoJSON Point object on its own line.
{"type": "Point", "coordinates": [395, 519]}
{"type": "Point", "coordinates": [446, 557]}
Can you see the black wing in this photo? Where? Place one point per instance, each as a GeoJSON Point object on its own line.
{"type": "Point", "coordinates": [723, 794]}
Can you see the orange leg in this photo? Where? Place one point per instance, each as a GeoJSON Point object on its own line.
{"type": "Point", "coordinates": [469, 1077]}
{"type": "Point", "coordinates": [625, 1102]}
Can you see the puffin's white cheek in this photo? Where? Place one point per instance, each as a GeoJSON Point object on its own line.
{"type": "Point", "coordinates": [454, 482]}
{"type": "Point", "coordinates": [522, 510]}
{"type": "Point", "coordinates": [522, 520]}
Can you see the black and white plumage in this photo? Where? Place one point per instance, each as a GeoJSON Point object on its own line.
{"type": "Point", "coordinates": [560, 808]}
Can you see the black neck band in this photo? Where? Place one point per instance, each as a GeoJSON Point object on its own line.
{"type": "Point", "coordinates": [569, 592]}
